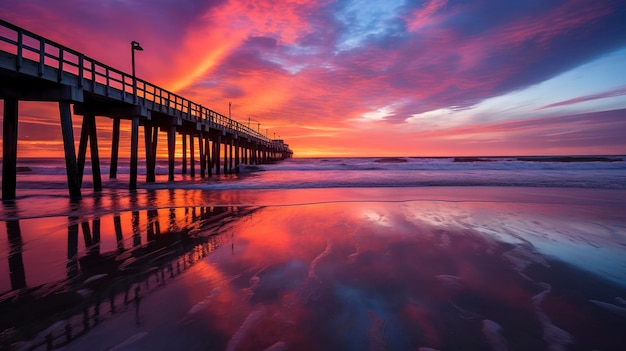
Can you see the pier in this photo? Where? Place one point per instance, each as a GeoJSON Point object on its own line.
{"type": "Point", "coordinates": [33, 68]}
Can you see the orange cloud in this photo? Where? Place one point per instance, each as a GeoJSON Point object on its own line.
{"type": "Point", "coordinates": [218, 32]}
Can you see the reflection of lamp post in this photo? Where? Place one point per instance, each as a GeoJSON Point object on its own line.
{"type": "Point", "coordinates": [134, 46]}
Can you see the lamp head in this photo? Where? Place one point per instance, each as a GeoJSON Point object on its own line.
{"type": "Point", "coordinates": [135, 46]}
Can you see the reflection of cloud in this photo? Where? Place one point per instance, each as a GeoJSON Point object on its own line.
{"type": "Point", "coordinates": [377, 218]}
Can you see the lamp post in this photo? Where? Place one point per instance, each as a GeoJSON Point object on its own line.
{"type": "Point", "coordinates": [134, 46]}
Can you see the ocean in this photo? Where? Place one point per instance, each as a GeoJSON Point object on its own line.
{"type": "Point", "coordinates": [573, 171]}
{"type": "Point", "coordinates": [389, 253]}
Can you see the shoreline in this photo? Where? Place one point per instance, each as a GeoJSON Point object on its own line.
{"type": "Point", "coordinates": [34, 205]}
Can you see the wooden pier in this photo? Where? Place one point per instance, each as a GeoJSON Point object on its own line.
{"type": "Point", "coordinates": [33, 68]}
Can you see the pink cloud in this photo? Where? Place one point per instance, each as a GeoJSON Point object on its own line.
{"type": "Point", "coordinates": [425, 16]}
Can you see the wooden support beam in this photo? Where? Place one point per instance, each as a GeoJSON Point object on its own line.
{"type": "Point", "coordinates": [73, 183]}
{"type": "Point", "coordinates": [147, 136]}
{"type": "Point", "coordinates": [155, 142]}
{"type": "Point", "coordinates": [192, 160]}
{"type": "Point", "coordinates": [171, 151]}
{"type": "Point", "coordinates": [216, 156]}
{"type": "Point", "coordinates": [9, 149]}
{"type": "Point", "coordinates": [226, 143]}
{"type": "Point", "coordinates": [242, 152]}
{"type": "Point", "coordinates": [184, 170]}
{"type": "Point", "coordinates": [134, 151]}
{"type": "Point", "coordinates": [208, 156]}
{"type": "Point", "coordinates": [82, 147]}
{"type": "Point", "coordinates": [237, 155]}
{"type": "Point", "coordinates": [95, 157]}
{"type": "Point", "coordinates": [230, 155]}
{"type": "Point", "coordinates": [115, 145]}
{"type": "Point", "coordinates": [88, 132]}
{"type": "Point", "coordinates": [201, 151]}
{"type": "Point", "coordinates": [224, 146]}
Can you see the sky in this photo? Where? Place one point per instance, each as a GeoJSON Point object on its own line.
{"type": "Point", "coordinates": [363, 77]}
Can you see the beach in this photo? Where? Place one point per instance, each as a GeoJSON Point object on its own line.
{"type": "Point", "coordinates": [241, 267]}
{"type": "Point", "coordinates": [313, 175]}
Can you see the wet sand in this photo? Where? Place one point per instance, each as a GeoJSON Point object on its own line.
{"type": "Point", "coordinates": [341, 269]}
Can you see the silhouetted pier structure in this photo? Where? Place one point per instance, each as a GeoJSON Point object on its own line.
{"type": "Point", "coordinates": [33, 68]}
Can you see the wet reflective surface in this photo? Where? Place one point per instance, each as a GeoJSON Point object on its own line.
{"type": "Point", "coordinates": [414, 269]}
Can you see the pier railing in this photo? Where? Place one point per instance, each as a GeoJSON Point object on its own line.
{"type": "Point", "coordinates": [59, 63]}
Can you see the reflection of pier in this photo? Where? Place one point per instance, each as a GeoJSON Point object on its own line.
{"type": "Point", "coordinates": [159, 245]}
{"type": "Point", "coordinates": [33, 68]}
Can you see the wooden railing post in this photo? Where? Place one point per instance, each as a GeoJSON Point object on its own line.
{"type": "Point", "coordinates": [106, 74]}
{"type": "Point", "coordinates": [160, 99]}
{"type": "Point", "coordinates": [42, 55]}
{"type": "Point", "coordinates": [60, 70]}
{"type": "Point", "coordinates": [20, 48]}
{"type": "Point", "coordinates": [81, 70]}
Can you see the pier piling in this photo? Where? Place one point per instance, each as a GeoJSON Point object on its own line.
{"type": "Point", "coordinates": [171, 151]}
{"type": "Point", "coordinates": [134, 151]}
{"type": "Point", "coordinates": [192, 159]}
{"type": "Point", "coordinates": [71, 167]}
{"type": "Point", "coordinates": [184, 165]}
{"type": "Point", "coordinates": [115, 145]}
{"type": "Point", "coordinates": [9, 149]}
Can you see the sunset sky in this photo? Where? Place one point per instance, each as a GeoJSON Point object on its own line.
{"type": "Point", "coordinates": [363, 77]}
